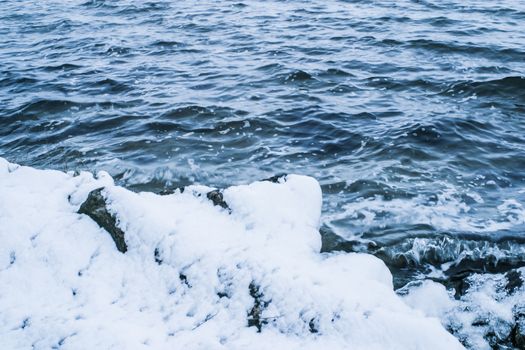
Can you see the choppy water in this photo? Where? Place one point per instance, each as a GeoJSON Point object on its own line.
{"type": "Point", "coordinates": [411, 114]}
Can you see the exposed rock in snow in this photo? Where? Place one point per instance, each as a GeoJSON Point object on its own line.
{"type": "Point", "coordinates": [194, 275]}
{"type": "Point", "coordinates": [95, 208]}
{"type": "Point", "coordinates": [217, 198]}
{"type": "Point", "coordinates": [519, 332]}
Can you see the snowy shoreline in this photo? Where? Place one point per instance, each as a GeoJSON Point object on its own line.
{"type": "Point", "coordinates": [194, 275]}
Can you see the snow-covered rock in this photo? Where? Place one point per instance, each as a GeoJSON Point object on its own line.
{"type": "Point", "coordinates": [194, 275]}
{"type": "Point", "coordinates": [488, 314]}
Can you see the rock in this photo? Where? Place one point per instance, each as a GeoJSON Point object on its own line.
{"type": "Point", "coordinates": [168, 191]}
{"type": "Point", "coordinates": [95, 208]}
{"type": "Point", "coordinates": [255, 318]}
{"type": "Point", "coordinates": [519, 334]}
{"type": "Point", "coordinates": [276, 178]}
{"type": "Point", "coordinates": [514, 280]}
{"type": "Point", "coordinates": [157, 256]}
{"type": "Point", "coordinates": [217, 198]}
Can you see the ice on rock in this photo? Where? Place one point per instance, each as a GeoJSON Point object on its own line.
{"type": "Point", "coordinates": [194, 275]}
{"type": "Point", "coordinates": [489, 314]}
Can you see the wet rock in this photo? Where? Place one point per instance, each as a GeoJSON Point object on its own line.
{"type": "Point", "coordinates": [255, 318]}
{"type": "Point", "coordinates": [518, 331]}
{"type": "Point", "coordinates": [168, 191]}
{"type": "Point", "coordinates": [217, 198]}
{"type": "Point", "coordinates": [460, 284]}
{"type": "Point", "coordinates": [519, 334]}
{"type": "Point", "coordinates": [514, 280]}
{"type": "Point", "coordinates": [331, 242]}
{"type": "Point", "coordinates": [468, 266]}
{"type": "Point", "coordinates": [276, 178]}
{"type": "Point", "coordinates": [95, 207]}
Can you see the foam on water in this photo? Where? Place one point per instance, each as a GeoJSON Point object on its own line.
{"type": "Point", "coordinates": [452, 210]}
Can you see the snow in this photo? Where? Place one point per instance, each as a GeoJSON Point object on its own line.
{"type": "Point", "coordinates": [428, 290]}
{"type": "Point", "coordinates": [195, 276]}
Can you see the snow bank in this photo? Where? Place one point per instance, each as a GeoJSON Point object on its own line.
{"type": "Point", "coordinates": [194, 275]}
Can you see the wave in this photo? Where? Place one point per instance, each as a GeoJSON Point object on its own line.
{"type": "Point", "coordinates": [511, 86]}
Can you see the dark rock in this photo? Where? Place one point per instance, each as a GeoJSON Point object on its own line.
{"type": "Point", "coordinates": [276, 178]}
{"type": "Point", "coordinates": [487, 264]}
{"type": "Point", "coordinates": [518, 333]}
{"type": "Point", "coordinates": [95, 208]}
{"type": "Point", "coordinates": [459, 273]}
{"type": "Point", "coordinates": [468, 266]}
{"type": "Point", "coordinates": [184, 280]}
{"type": "Point", "coordinates": [255, 318]}
{"type": "Point", "coordinates": [461, 286]}
{"type": "Point", "coordinates": [519, 336]}
{"type": "Point", "coordinates": [331, 242]}
{"type": "Point", "coordinates": [222, 295]}
{"type": "Point", "coordinates": [480, 321]}
{"type": "Point", "coordinates": [168, 191]}
{"type": "Point", "coordinates": [514, 280]}
{"type": "Point", "coordinates": [158, 258]}
{"type": "Point", "coordinates": [217, 198]}
{"type": "Point", "coordinates": [25, 323]}
{"type": "Point", "coordinates": [312, 326]}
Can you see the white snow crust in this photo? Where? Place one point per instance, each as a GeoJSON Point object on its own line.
{"type": "Point", "coordinates": [194, 274]}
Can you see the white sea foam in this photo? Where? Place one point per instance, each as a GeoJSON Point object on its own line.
{"type": "Point", "coordinates": [448, 212]}
{"type": "Point", "coordinates": [194, 276]}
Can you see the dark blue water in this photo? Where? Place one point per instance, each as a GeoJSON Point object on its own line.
{"type": "Point", "coordinates": [411, 114]}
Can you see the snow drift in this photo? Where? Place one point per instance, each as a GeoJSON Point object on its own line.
{"type": "Point", "coordinates": [194, 275]}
